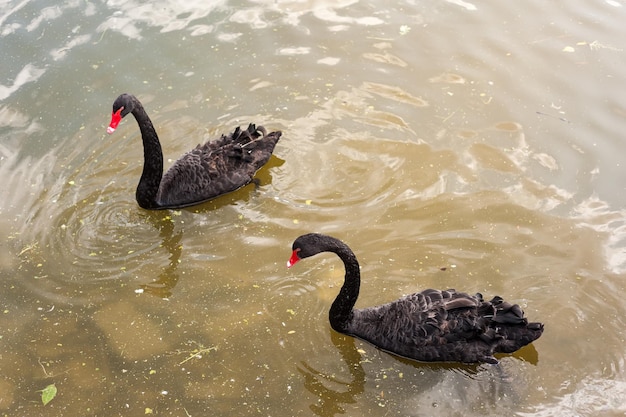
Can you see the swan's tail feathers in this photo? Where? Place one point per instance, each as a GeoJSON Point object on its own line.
{"type": "Point", "coordinates": [253, 145]}
{"type": "Point", "coordinates": [515, 337]}
{"type": "Point", "coordinates": [507, 313]}
{"type": "Point", "coordinates": [508, 327]}
{"type": "Point", "coordinates": [256, 131]}
{"type": "Point", "coordinates": [253, 134]}
{"type": "Point", "coordinates": [260, 129]}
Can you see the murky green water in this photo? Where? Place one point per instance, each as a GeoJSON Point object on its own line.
{"type": "Point", "coordinates": [474, 145]}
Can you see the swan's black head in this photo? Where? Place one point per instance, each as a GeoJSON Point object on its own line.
{"type": "Point", "coordinates": [122, 105]}
{"type": "Point", "coordinates": [311, 244]}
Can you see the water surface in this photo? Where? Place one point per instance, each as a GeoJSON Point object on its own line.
{"type": "Point", "coordinates": [451, 144]}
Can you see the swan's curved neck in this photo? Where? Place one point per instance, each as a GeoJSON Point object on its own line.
{"type": "Point", "coordinates": [148, 186]}
{"type": "Point", "coordinates": [340, 313]}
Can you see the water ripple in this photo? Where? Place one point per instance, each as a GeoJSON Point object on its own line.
{"type": "Point", "coordinates": [28, 74]}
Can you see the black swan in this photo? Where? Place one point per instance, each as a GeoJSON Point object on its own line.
{"type": "Point", "coordinates": [429, 326]}
{"type": "Point", "coordinates": [209, 170]}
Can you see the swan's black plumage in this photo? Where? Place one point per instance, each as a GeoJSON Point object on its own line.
{"type": "Point", "coordinates": [209, 170]}
{"type": "Point", "coordinates": [431, 325]}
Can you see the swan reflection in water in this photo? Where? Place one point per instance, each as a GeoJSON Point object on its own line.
{"type": "Point", "coordinates": [163, 285]}
{"type": "Point", "coordinates": [444, 385]}
{"type": "Point", "coordinates": [331, 402]}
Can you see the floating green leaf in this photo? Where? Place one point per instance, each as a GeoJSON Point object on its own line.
{"type": "Point", "coordinates": [48, 394]}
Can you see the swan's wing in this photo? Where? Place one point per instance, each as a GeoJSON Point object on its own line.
{"type": "Point", "coordinates": [446, 325]}
{"type": "Point", "coordinates": [430, 317]}
{"type": "Point", "coordinates": [200, 175]}
{"type": "Point", "coordinates": [217, 167]}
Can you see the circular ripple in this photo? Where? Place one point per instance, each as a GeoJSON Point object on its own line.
{"type": "Point", "coordinates": [100, 241]}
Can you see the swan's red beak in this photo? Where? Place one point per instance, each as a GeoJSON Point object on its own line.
{"type": "Point", "coordinates": [116, 118]}
{"type": "Point", "coordinates": [294, 258]}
